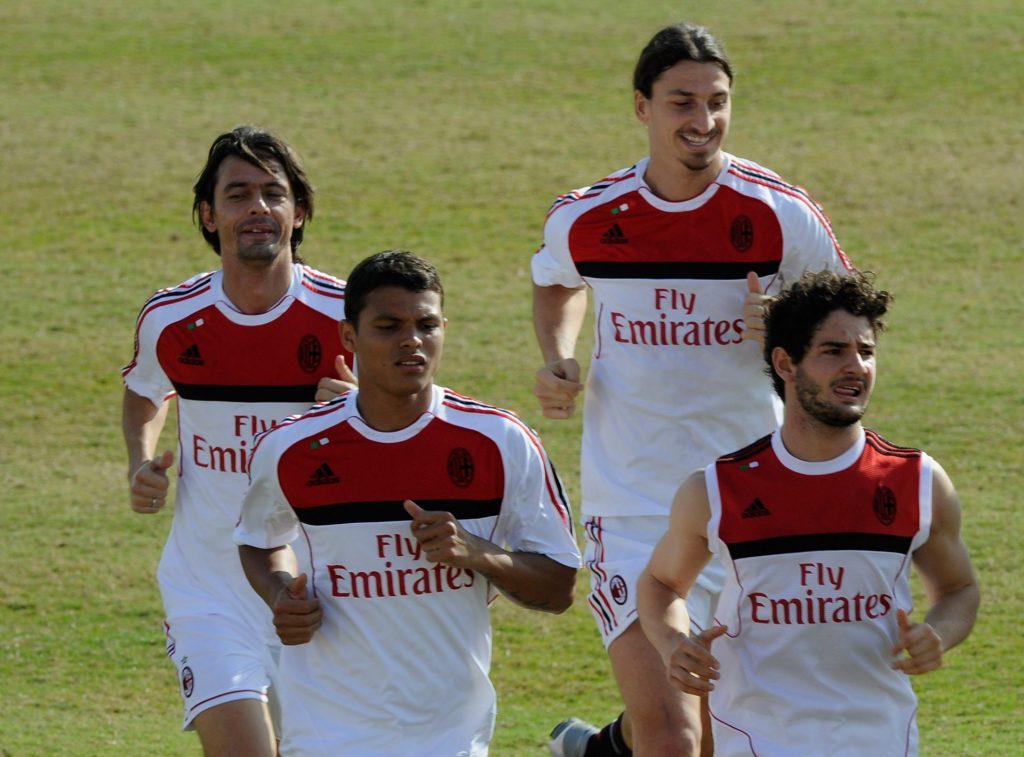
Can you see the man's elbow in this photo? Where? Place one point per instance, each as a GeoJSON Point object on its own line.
{"type": "Point", "coordinates": [565, 594]}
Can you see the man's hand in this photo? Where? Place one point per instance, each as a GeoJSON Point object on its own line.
{"type": "Point", "coordinates": [921, 643]}
{"type": "Point", "coordinates": [691, 666]}
{"type": "Point", "coordinates": [149, 484]}
{"type": "Point", "coordinates": [556, 387]}
{"type": "Point", "coordinates": [328, 388]}
{"type": "Point", "coordinates": [441, 537]}
{"type": "Point", "coordinates": [755, 305]}
{"type": "Point", "coordinates": [296, 618]}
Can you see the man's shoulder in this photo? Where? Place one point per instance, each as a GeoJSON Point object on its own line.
{"type": "Point", "coordinates": [191, 294]}
{"type": "Point", "coordinates": [598, 191]}
{"type": "Point", "coordinates": [492, 420]}
{"type": "Point", "coordinates": [750, 177]}
{"type": "Point", "coordinates": [882, 446]}
{"type": "Point", "coordinates": [464, 403]}
{"type": "Point", "coordinates": [320, 282]}
{"type": "Point", "coordinates": [321, 291]}
{"type": "Point", "coordinates": [744, 455]}
{"type": "Point", "coordinates": [295, 427]}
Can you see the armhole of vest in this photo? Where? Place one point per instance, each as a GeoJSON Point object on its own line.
{"type": "Point", "coordinates": [924, 506]}
{"type": "Point", "coordinates": [714, 505]}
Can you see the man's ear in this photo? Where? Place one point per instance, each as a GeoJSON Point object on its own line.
{"type": "Point", "coordinates": [206, 216]}
{"type": "Point", "coordinates": [348, 336]}
{"type": "Point", "coordinates": [783, 364]}
{"type": "Point", "coordinates": [300, 216]}
{"type": "Point", "coordinates": [641, 107]}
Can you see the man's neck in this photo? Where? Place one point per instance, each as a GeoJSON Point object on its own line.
{"type": "Point", "coordinates": [675, 182]}
{"type": "Point", "coordinates": [253, 289]}
{"type": "Point", "coordinates": [814, 442]}
{"type": "Point", "coordinates": [385, 412]}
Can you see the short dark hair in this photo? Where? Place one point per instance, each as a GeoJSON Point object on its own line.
{"type": "Point", "coordinates": [796, 315]}
{"type": "Point", "coordinates": [260, 148]}
{"type": "Point", "coordinates": [390, 268]}
{"type": "Point", "coordinates": [676, 43]}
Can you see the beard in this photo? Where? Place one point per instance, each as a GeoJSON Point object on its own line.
{"type": "Point", "coordinates": [808, 394]}
{"type": "Point", "coordinates": [264, 254]}
{"type": "Point", "coordinates": [260, 253]}
{"type": "Point", "coordinates": [699, 163]}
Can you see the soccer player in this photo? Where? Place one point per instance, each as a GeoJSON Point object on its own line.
{"type": "Point", "coordinates": [681, 251]}
{"type": "Point", "coordinates": [379, 526]}
{"type": "Point", "coordinates": [817, 525]}
{"type": "Point", "coordinates": [242, 348]}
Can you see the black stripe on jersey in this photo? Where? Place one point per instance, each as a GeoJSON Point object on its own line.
{"type": "Point", "coordinates": [392, 510]}
{"type": "Point", "coordinates": [784, 545]}
{"type": "Point", "coordinates": [182, 290]}
{"type": "Point", "coordinates": [674, 270]}
{"type": "Point", "coordinates": [749, 451]}
{"type": "Point", "coordinates": [220, 393]}
{"type": "Point", "coordinates": [767, 178]}
{"type": "Point", "coordinates": [323, 281]}
{"type": "Point", "coordinates": [885, 447]}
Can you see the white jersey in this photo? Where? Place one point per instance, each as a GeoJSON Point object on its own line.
{"type": "Point", "coordinates": [234, 375]}
{"type": "Point", "coordinates": [817, 557]}
{"type": "Point", "coordinates": [400, 664]}
{"type": "Point", "coordinates": [671, 384]}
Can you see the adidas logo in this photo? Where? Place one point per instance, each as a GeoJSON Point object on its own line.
{"type": "Point", "coordinates": [614, 235]}
{"type": "Point", "coordinates": [322, 476]}
{"type": "Point", "coordinates": [191, 356]}
{"type": "Point", "coordinates": [755, 509]}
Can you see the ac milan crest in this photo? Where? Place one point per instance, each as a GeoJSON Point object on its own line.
{"type": "Point", "coordinates": [742, 233]}
{"type": "Point", "coordinates": [617, 586]}
{"type": "Point", "coordinates": [460, 467]}
{"type": "Point", "coordinates": [885, 505]}
{"type": "Point", "coordinates": [188, 681]}
{"type": "Point", "coordinates": [310, 353]}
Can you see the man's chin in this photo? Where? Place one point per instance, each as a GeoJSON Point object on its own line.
{"type": "Point", "coordinates": [842, 418]}
{"type": "Point", "coordinates": [698, 164]}
{"type": "Point", "coordinates": [259, 255]}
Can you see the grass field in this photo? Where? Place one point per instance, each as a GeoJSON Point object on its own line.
{"type": "Point", "coordinates": [447, 127]}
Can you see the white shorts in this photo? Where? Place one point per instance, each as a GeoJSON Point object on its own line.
{"type": "Point", "coordinates": [618, 549]}
{"type": "Point", "coordinates": [218, 662]}
{"type": "Point", "coordinates": [220, 634]}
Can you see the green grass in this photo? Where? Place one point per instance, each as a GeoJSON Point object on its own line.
{"type": "Point", "coordinates": [448, 127]}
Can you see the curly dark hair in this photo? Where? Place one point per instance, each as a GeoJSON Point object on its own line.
{"type": "Point", "coordinates": [795, 316]}
{"type": "Point", "coordinates": [260, 148]}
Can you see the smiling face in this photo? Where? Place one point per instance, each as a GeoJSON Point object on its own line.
{"type": "Point", "coordinates": [397, 340]}
{"type": "Point", "coordinates": [687, 119]}
{"type": "Point", "coordinates": [253, 213]}
{"type": "Point", "coordinates": [833, 382]}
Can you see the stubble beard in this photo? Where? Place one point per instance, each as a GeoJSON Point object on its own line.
{"type": "Point", "coordinates": [700, 163]}
{"type": "Point", "coordinates": [826, 413]}
{"type": "Point", "coordinates": [260, 254]}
